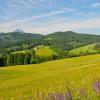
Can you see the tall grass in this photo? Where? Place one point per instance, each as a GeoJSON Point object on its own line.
{"type": "Point", "coordinates": [48, 80]}
{"type": "Point", "coordinates": [74, 93]}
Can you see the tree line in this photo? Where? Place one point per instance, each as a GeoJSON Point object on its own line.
{"type": "Point", "coordinates": [30, 57]}
{"type": "Point", "coordinates": [24, 57]}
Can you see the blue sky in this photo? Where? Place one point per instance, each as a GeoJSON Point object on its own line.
{"type": "Point", "coordinates": [47, 16]}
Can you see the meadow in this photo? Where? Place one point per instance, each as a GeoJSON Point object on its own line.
{"type": "Point", "coordinates": [36, 81]}
{"type": "Point", "coordinates": [86, 50]}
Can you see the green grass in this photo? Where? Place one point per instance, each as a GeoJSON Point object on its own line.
{"type": "Point", "coordinates": [44, 51]}
{"type": "Point", "coordinates": [21, 82]}
{"type": "Point", "coordinates": [85, 49]}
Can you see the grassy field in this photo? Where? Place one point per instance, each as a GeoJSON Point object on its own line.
{"type": "Point", "coordinates": [44, 51]}
{"type": "Point", "coordinates": [25, 81]}
{"type": "Point", "coordinates": [85, 49]}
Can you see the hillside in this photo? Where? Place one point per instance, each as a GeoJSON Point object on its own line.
{"type": "Point", "coordinates": [9, 39]}
{"type": "Point", "coordinates": [44, 51]}
{"type": "Point", "coordinates": [70, 40]}
{"type": "Point", "coordinates": [86, 50]}
{"type": "Point", "coordinates": [57, 45]}
{"type": "Point", "coordinates": [19, 82]}
{"type": "Point", "coordinates": [63, 40]}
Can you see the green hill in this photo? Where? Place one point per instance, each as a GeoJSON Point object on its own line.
{"type": "Point", "coordinates": [23, 82]}
{"type": "Point", "coordinates": [86, 50]}
{"type": "Point", "coordinates": [71, 40]}
{"type": "Point", "coordinates": [9, 39]}
{"type": "Point", "coordinates": [44, 51]}
{"type": "Point", "coordinates": [64, 40]}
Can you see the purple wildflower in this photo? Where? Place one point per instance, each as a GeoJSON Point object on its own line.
{"type": "Point", "coordinates": [59, 96]}
{"type": "Point", "coordinates": [69, 95]}
{"type": "Point", "coordinates": [96, 86]}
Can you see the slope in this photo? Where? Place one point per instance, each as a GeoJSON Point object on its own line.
{"type": "Point", "coordinates": [45, 51]}
{"type": "Point", "coordinates": [25, 81]}
{"type": "Point", "coordinates": [86, 50]}
{"type": "Point", "coordinates": [8, 39]}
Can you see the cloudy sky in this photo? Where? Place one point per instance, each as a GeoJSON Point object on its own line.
{"type": "Point", "coordinates": [46, 16]}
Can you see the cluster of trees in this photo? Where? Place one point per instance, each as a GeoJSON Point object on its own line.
{"type": "Point", "coordinates": [22, 58]}
{"type": "Point", "coordinates": [2, 61]}
{"type": "Point", "coordinates": [30, 57]}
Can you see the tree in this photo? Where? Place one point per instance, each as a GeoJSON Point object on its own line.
{"type": "Point", "coordinates": [1, 61]}
{"type": "Point", "coordinates": [27, 58]}
{"type": "Point", "coordinates": [10, 60]}
{"type": "Point", "coordinates": [33, 60]}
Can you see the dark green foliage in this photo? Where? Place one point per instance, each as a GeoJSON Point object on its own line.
{"type": "Point", "coordinates": [18, 58]}
{"type": "Point", "coordinates": [10, 60]}
{"type": "Point", "coordinates": [16, 38]}
{"type": "Point", "coordinates": [27, 58]}
{"type": "Point", "coordinates": [33, 60]}
{"type": "Point", "coordinates": [1, 61]}
{"type": "Point", "coordinates": [70, 40]}
{"type": "Point", "coordinates": [21, 58]}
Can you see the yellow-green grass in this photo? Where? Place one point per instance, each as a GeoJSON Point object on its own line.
{"type": "Point", "coordinates": [84, 49]}
{"type": "Point", "coordinates": [21, 82]}
{"type": "Point", "coordinates": [44, 51]}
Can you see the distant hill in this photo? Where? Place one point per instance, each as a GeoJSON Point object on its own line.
{"type": "Point", "coordinates": [7, 39]}
{"type": "Point", "coordinates": [19, 30]}
{"type": "Point", "coordinates": [59, 40]}
{"type": "Point", "coordinates": [69, 40]}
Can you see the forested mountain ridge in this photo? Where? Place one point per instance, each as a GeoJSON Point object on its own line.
{"type": "Point", "coordinates": [64, 40]}
{"type": "Point", "coordinates": [70, 40]}
{"type": "Point", "coordinates": [70, 36]}
{"type": "Point", "coordinates": [8, 39]}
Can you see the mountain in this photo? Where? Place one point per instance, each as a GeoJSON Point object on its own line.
{"type": "Point", "coordinates": [62, 40]}
{"type": "Point", "coordinates": [19, 30]}
{"type": "Point", "coordinates": [7, 39]}
{"type": "Point", "coordinates": [69, 40]}
{"type": "Point", "coordinates": [70, 36]}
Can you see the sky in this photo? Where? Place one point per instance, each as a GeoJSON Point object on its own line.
{"type": "Point", "coordinates": [48, 16]}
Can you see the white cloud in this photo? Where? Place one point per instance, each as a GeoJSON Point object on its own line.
{"type": "Point", "coordinates": [59, 26]}
{"type": "Point", "coordinates": [65, 26]}
{"type": "Point", "coordinates": [95, 5]}
{"type": "Point", "coordinates": [52, 13]}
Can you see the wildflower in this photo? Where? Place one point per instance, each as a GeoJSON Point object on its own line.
{"type": "Point", "coordinates": [59, 96]}
{"type": "Point", "coordinates": [96, 87]}
{"type": "Point", "coordinates": [69, 95]}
